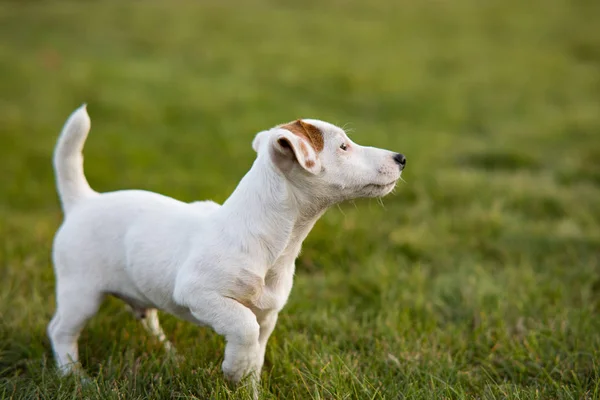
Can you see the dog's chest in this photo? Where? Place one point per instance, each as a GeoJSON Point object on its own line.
{"type": "Point", "coordinates": [276, 289]}
{"type": "Point", "coordinates": [265, 292]}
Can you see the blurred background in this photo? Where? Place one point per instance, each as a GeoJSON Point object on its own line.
{"type": "Point", "coordinates": [479, 277]}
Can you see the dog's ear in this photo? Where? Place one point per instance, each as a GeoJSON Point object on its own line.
{"type": "Point", "coordinates": [310, 133]}
{"type": "Point", "coordinates": [259, 139]}
{"type": "Point", "coordinates": [298, 142]}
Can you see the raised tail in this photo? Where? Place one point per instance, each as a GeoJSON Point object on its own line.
{"type": "Point", "coordinates": [68, 160]}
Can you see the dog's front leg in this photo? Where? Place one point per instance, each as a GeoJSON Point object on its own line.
{"type": "Point", "coordinates": [238, 324]}
{"type": "Point", "coordinates": [267, 324]}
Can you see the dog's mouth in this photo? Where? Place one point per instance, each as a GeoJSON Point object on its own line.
{"type": "Point", "coordinates": [377, 186]}
{"type": "Point", "coordinates": [378, 190]}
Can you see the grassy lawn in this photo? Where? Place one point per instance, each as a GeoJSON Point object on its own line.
{"type": "Point", "coordinates": [479, 278]}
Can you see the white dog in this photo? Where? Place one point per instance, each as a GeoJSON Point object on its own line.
{"type": "Point", "coordinates": [230, 267]}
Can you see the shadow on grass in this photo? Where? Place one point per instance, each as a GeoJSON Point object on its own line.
{"type": "Point", "coordinates": [496, 160]}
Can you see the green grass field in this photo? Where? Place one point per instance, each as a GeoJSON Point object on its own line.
{"type": "Point", "coordinates": [479, 278]}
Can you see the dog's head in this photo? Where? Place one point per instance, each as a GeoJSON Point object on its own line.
{"type": "Point", "coordinates": [319, 158]}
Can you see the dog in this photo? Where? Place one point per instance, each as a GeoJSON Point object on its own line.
{"type": "Point", "coordinates": [227, 266]}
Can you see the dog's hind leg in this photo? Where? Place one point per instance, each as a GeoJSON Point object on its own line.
{"type": "Point", "coordinates": [149, 320]}
{"type": "Point", "coordinates": [74, 307]}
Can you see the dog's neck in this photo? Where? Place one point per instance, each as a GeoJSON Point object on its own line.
{"type": "Point", "coordinates": [272, 217]}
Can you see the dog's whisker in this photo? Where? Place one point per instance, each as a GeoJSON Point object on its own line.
{"type": "Point", "coordinates": [347, 128]}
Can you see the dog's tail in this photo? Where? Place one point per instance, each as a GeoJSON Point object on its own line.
{"type": "Point", "coordinates": [68, 160]}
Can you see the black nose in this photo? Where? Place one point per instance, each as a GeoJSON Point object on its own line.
{"type": "Point", "coordinates": [400, 159]}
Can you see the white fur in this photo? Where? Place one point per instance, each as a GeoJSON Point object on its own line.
{"type": "Point", "coordinates": [230, 267]}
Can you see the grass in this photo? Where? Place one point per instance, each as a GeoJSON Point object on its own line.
{"type": "Point", "coordinates": [479, 279]}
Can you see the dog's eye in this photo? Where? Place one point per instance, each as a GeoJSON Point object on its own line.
{"type": "Point", "coordinates": [343, 146]}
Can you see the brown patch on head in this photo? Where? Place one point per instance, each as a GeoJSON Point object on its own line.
{"type": "Point", "coordinates": [309, 132]}
{"type": "Point", "coordinates": [314, 134]}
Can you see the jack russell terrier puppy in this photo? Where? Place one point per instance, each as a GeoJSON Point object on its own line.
{"type": "Point", "coordinates": [228, 266]}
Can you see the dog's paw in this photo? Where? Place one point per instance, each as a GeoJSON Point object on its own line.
{"type": "Point", "coordinates": [86, 381]}
{"type": "Point", "coordinates": [174, 356]}
{"type": "Point", "coordinates": [76, 371]}
{"type": "Point", "coordinates": [241, 365]}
